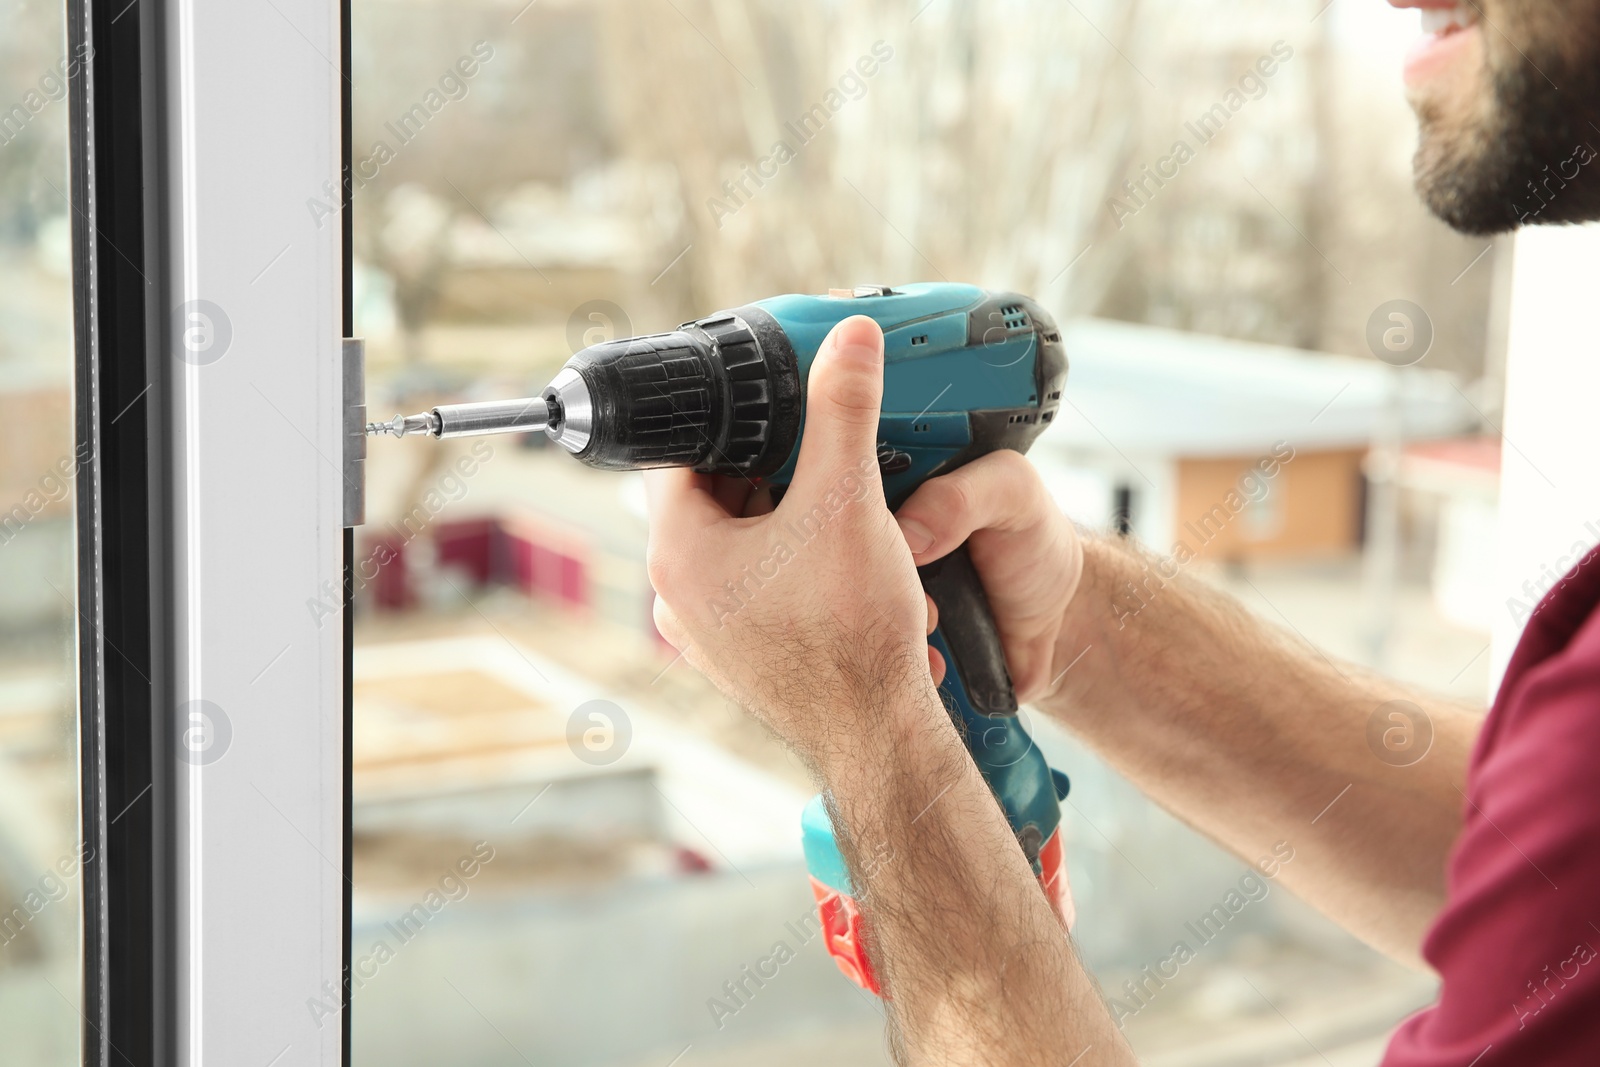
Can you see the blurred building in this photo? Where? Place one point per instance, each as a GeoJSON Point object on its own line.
{"type": "Point", "coordinates": [1454, 486]}
{"type": "Point", "coordinates": [1233, 450]}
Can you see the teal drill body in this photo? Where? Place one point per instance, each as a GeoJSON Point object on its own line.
{"type": "Point", "coordinates": [964, 372]}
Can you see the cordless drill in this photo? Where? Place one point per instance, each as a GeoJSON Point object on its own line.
{"type": "Point", "coordinates": [966, 372]}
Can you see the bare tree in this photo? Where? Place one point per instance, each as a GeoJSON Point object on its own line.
{"type": "Point", "coordinates": [963, 155]}
{"type": "Point", "coordinates": [457, 107]}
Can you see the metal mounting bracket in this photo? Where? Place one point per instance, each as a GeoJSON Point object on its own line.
{"type": "Point", "coordinates": [354, 465]}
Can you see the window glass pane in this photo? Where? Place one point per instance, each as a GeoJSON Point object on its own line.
{"type": "Point", "coordinates": [569, 848]}
{"type": "Point", "coordinates": [40, 960]}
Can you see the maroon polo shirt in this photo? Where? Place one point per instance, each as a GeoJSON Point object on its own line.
{"type": "Point", "coordinates": [1518, 942]}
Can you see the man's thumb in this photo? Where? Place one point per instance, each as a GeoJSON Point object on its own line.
{"type": "Point", "coordinates": [844, 395]}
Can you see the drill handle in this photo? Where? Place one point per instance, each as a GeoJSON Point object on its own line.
{"type": "Point", "coordinates": [970, 633]}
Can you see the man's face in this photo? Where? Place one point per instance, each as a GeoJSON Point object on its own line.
{"type": "Point", "coordinates": [1507, 93]}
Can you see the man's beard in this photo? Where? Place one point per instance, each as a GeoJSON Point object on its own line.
{"type": "Point", "coordinates": [1476, 175]}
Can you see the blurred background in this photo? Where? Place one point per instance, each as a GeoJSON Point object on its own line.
{"type": "Point", "coordinates": [569, 849]}
{"type": "Point", "coordinates": [616, 168]}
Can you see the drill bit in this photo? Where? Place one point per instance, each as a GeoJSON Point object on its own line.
{"type": "Point", "coordinates": [524, 415]}
{"type": "Point", "coordinates": [401, 425]}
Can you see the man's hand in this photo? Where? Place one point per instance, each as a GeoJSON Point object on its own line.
{"type": "Point", "coordinates": [807, 613]}
{"type": "Point", "coordinates": [1025, 550]}
{"type": "Point", "coordinates": [811, 616]}
{"type": "Point", "coordinates": [1240, 729]}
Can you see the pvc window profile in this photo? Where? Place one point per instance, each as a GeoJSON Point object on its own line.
{"type": "Point", "coordinates": [209, 312]}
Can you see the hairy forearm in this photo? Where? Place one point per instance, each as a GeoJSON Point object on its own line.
{"type": "Point", "coordinates": [1251, 735]}
{"type": "Point", "coordinates": [974, 965]}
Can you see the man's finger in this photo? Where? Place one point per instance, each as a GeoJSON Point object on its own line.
{"type": "Point", "coordinates": [667, 625]}
{"type": "Point", "coordinates": [844, 395]}
{"type": "Point", "coordinates": [997, 491]}
{"type": "Point", "coordinates": [680, 502]}
{"type": "Point", "coordinates": [682, 512]}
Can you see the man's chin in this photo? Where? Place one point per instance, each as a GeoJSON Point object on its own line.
{"type": "Point", "coordinates": [1461, 180]}
{"type": "Point", "coordinates": [1499, 147]}
{"type": "Point", "coordinates": [1458, 167]}
{"type": "Point", "coordinates": [1491, 180]}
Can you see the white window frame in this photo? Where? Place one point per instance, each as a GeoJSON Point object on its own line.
{"type": "Point", "coordinates": [216, 929]}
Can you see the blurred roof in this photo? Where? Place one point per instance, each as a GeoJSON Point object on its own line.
{"type": "Point", "coordinates": [1154, 391]}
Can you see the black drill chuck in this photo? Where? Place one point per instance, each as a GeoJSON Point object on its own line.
{"type": "Point", "coordinates": [720, 395]}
